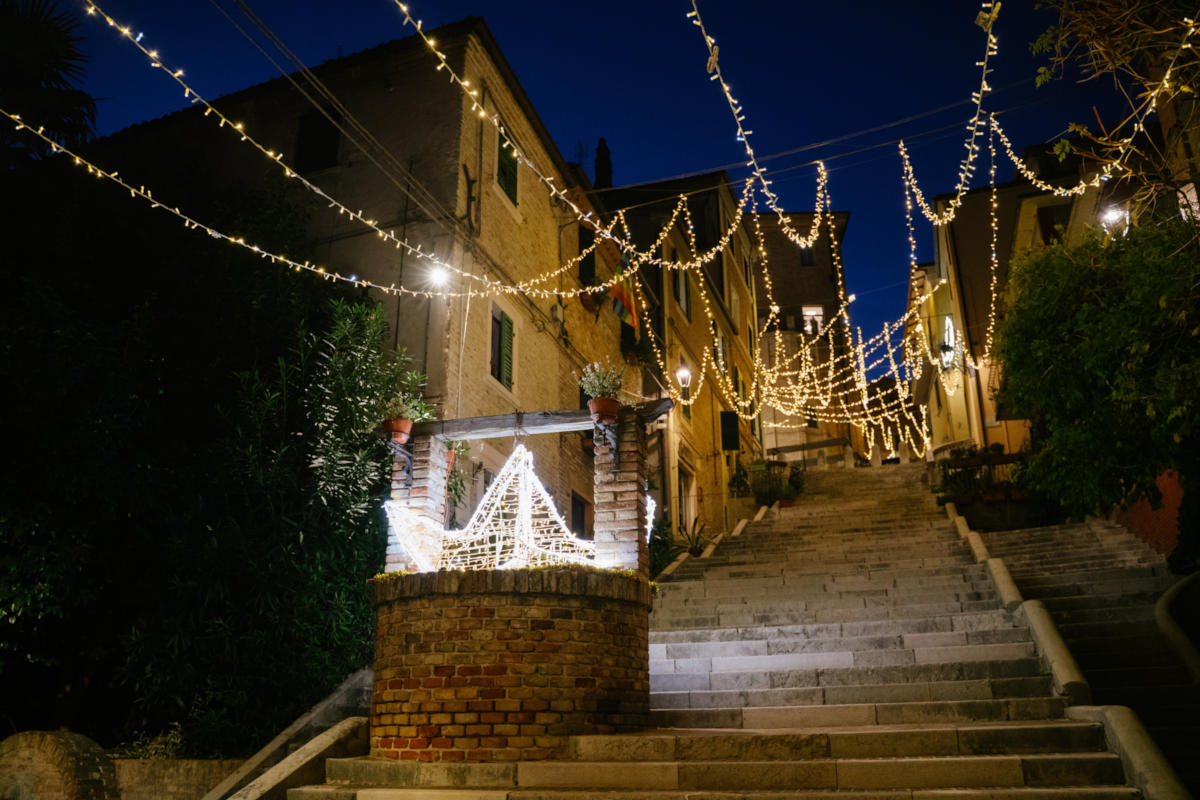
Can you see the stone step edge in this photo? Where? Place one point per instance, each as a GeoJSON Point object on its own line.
{"type": "Point", "coordinates": [1144, 763]}
{"type": "Point", "coordinates": [346, 792]}
{"type": "Point", "coordinates": [853, 714]}
{"type": "Point", "coordinates": [864, 688]}
{"type": "Point", "coordinates": [831, 773]}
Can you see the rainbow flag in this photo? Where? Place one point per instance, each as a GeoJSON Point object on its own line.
{"type": "Point", "coordinates": [623, 304]}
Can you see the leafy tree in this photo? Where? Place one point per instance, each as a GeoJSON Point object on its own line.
{"type": "Point", "coordinates": [1101, 351]}
{"type": "Point", "coordinates": [190, 512]}
{"type": "Point", "coordinates": [40, 62]}
{"type": "Point", "coordinates": [1133, 44]}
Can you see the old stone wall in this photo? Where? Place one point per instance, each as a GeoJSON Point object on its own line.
{"type": "Point", "coordinates": [55, 765]}
{"type": "Point", "coordinates": [506, 664]}
{"type": "Point", "coordinates": [170, 778]}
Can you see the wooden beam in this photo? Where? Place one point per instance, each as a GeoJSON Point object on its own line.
{"type": "Point", "coordinates": [534, 422]}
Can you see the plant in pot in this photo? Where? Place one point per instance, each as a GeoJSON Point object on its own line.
{"type": "Point", "coordinates": [406, 407]}
{"type": "Point", "coordinates": [455, 449]}
{"type": "Point", "coordinates": [601, 382]}
{"type": "Point", "coordinates": [692, 538]}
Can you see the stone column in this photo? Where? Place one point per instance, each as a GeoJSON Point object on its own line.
{"type": "Point", "coordinates": [620, 497]}
{"type": "Point", "coordinates": [425, 494]}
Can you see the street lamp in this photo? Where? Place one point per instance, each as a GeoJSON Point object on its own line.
{"type": "Point", "coordinates": [439, 277]}
{"type": "Point", "coordinates": [684, 376]}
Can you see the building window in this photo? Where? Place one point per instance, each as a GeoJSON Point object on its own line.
{"type": "Point", "coordinates": [317, 142]}
{"type": "Point", "coordinates": [683, 290]}
{"type": "Point", "coordinates": [502, 347]}
{"type": "Point", "coordinates": [735, 310]}
{"type": "Point", "coordinates": [587, 264]}
{"type": "Point", "coordinates": [746, 269]}
{"type": "Point", "coordinates": [812, 422]}
{"type": "Point", "coordinates": [814, 319]}
{"type": "Point", "coordinates": [808, 256]}
{"type": "Point", "coordinates": [506, 166]}
{"type": "Point", "coordinates": [579, 515]}
{"type": "Point", "coordinates": [686, 391]}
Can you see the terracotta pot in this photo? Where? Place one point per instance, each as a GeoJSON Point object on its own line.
{"type": "Point", "coordinates": [590, 301]}
{"type": "Point", "coordinates": [398, 426]}
{"type": "Point", "coordinates": [604, 409]}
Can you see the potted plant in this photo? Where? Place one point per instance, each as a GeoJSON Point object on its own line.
{"type": "Point", "coordinates": [693, 538]}
{"type": "Point", "coordinates": [406, 407]}
{"type": "Point", "coordinates": [454, 449]}
{"type": "Point", "coordinates": [601, 382]}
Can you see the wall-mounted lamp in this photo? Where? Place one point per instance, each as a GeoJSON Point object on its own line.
{"type": "Point", "coordinates": [684, 376]}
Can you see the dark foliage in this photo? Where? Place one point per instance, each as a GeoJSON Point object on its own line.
{"type": "Point", "coordinates": [1101, 351]}
{"type": "Point", "coordinates": [40, 63]}
{"type": "Point", "coordinates": [185, 527]}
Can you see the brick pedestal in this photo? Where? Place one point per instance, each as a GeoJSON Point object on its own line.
{"type": "Point", "coordinates": [620, 497]}
{"type": "Point", "coordinates": [504, 665]}
{"type": "Point", "coordinates": [424, 493]}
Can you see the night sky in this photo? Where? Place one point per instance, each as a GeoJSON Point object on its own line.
{"type": "Point", "coordinates": [634, 73]}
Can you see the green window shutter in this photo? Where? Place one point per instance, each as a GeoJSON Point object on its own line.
{"type": "Point", "coordinates": [506, 350]}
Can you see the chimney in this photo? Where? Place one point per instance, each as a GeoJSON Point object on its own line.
{"type": "Point", "coordinates": [603, 170]}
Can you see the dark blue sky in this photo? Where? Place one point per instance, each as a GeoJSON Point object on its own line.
{"type": "Point", "coordinates": [634, 72]}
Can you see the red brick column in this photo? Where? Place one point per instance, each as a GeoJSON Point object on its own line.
{"type": "Point", "coordinates": [620, 497]}
{"type": "Point", "coordinates": [426, 495]}
{"type": "Point", "coordinates": [501, 665]}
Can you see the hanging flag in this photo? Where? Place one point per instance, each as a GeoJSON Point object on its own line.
{"type": "Point", "coordinates": [622, 294]}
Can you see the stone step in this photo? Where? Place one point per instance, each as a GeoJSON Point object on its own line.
{"type": "Point", "coordinates": [692, 619]}
{"type": "Point", "coordinates": [989, 619]}
{"type": "Point", "coordinates": [849, 677]}
{"type": "Point", "coordinates": [1138, 613]}
{"type": "Point", "coordinates": [841, 695]}
{"type": "Point", "coordinates": [1136, 676]}
{"type": "Point", "coordinates": [856, 658]}
{"type": "Point", "coordinates": [856, 714]}
{"type": "Point", "coordinates": [775, 646]}
{"type": "Point", "coordinates": [1141, 697]}
{"type": "Point", "coordinates": [1119, 600]}
{"type": "Point", "coordinates": [331, 792]}
{"type": "Point", "coordinates": [864, 742]}
{"type": "Point", "coordinates": [791, 600]}
{"type": "Point", "coordinates": [975, 771]}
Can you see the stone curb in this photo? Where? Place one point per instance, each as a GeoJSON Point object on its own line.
{"type": "Point", "coordinates": [1068, 678]}
{"type": "Point", "coordinates": [708, 551]}
{"type": "Point", "coordinates": [306, 766]}
{"type": "Point", "coordinates": [1145, 765]}
{"type": "Point", "coordinates": [1172, 631]}
{"type": "Point", "coordinates": [1006, 587]}
{"type": "Point", "coordinates": [276, 750]}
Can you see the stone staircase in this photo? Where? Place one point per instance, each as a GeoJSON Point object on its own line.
{"type": "Point", "coordinates": [1100, 584]}
{"type": "Point", "coordinates": [848, 647]}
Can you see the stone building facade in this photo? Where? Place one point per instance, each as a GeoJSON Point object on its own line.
{"type": "Point", "coordinates": [425, 166]}
{"type": "Point", "coordinates": [690, 313]}
{"type": "Point", "coordinates": [806, 290]}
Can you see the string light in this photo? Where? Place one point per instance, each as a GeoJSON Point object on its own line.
{"type": "Point", "coordinates": [516, 525]}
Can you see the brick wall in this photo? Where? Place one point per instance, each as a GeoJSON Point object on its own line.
{"type": "Point", "coordinates": [506, 664]}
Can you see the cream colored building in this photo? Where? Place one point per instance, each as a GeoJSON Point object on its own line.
{"type": "Point", "coordinates": [689, 313]}
{"type": "Point", "coordinates": [433, 172]}
{"type": "Point", "coordinates": [957, 313]}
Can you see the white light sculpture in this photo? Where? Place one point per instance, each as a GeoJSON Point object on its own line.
{"type": "Point", "coordinates": [515, 525]}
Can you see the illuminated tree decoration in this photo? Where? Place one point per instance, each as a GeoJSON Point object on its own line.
{"type": "Point", "coordinates": [515, 525]}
